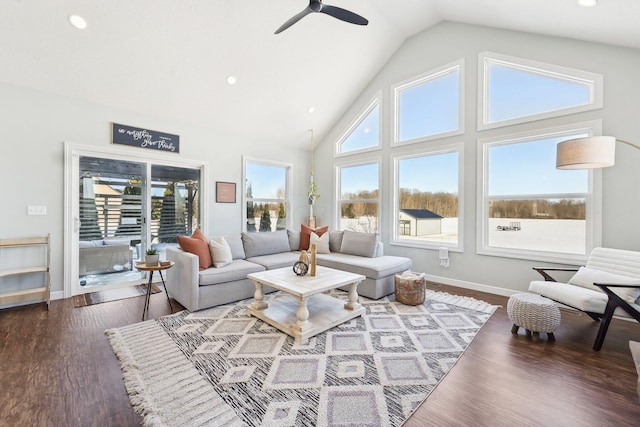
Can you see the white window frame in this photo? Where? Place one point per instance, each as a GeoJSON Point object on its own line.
{"type": "Point", "coordinates": [337, 202]}
{"type": "Point", "coordinates": [593, 197]}
{"type": "Point", "coordinates": [288, 187]}
{"type": "Point", "coordinates": [375, 101]}
{"type": "Point", "coordinates": [433, 74]}
{"type": "Point", "coordinates": [397, 239]}
{"type": "Point", "coordinates": [485, 59]}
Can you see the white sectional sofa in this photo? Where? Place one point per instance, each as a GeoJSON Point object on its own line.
{"type": "Point", "coordinates": [360, 253]}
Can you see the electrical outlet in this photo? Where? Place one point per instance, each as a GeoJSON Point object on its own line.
{"type": "Point", "coordinates": [36, 210]}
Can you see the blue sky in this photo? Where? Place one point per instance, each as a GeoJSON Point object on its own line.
{"type": "Point", "coordinates": [265, 180]}
{"type": "Point", "coordinates": [435, 173]}
{"type": "Point", "coordinates": [431, 108]}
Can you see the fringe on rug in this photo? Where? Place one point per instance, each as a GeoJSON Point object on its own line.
{"type": "Point", "coordinates": [461, 301]}
{"type": "Point", "coordinates": [133, 381]}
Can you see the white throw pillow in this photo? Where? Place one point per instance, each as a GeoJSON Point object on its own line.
{"type": "Point", "coordinates": [321, 242]}
{"type": "Point", "coordinates": [586, 277]}
{"type": "Point", "coordinates": [220, 252]}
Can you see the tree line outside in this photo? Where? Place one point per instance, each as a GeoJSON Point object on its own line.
{"type": "Point", "coordinates": [446, 205]}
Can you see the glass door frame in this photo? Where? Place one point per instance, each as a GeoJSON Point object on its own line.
{"type": "Point", "coordinates": [72, 154]}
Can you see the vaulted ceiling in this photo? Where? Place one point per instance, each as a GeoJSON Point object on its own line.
{"type": "Point", "coordinates": [171, 58]}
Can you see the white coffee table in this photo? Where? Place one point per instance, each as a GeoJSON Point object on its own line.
{"type": "Point", "coordinates": [308, 311]}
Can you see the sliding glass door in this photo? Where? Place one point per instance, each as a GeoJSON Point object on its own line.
{"type": "Point", "coordinates": [120, 208]}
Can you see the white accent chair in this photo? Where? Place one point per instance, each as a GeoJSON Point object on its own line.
{"type": "Point", "coordinates": [608, 285]}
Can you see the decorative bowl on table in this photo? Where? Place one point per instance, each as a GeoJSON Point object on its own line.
{"type": "Point", "coordinates": [165, 263]}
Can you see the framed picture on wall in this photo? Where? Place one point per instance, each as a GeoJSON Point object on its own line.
{"type": "Point", "coordinates": [225, 192]}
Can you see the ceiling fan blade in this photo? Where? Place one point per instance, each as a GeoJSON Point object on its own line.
{"type": "Point", "coordinates": [344, 15]}
{"type": "Point", "coordinates": [293, 20]}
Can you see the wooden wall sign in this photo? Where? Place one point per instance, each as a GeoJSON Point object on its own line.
{"type": "Point", "coordinates": [225, 192]}
{"type": "Point", "coordinates": [145, 138]}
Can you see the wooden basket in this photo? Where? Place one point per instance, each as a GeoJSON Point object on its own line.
{"type": "Point", "coordinates": [410, 289]}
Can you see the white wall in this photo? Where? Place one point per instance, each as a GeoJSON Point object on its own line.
{"type": "Point", "coordinates": [35, 126]}
{"type": "Point", "coordinates": [449, 42]}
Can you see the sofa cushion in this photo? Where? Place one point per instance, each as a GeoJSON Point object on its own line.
{"type": "Point", "coordinates": [198, 245]}
{"type": "Point", "coordinates": [284, 259]}
{"type": "Point", "coordinates": [220, 252]}
{"type": "Point", "coordinates": [115, 242]}
{"type": "Point", "coordinates": [294, 239]}
{"type": "Point", "coordinates": [586, 277]}
{"type": "Point", "coordinates": [305, 233]}
{"type": "Point", "coordinates": [237, 270]}
{"type": "Point", "coordinates": [335, 240]}
{"type": "Point", "coordinates": [265, 243]}
{"type": "Point", "coordinates": [575, 296]}
{"type": "Point", "coordinates": [235, 243]}
{"type": "Point", "coordinates": [321, 242]}
{"type": "Point", "coordinates": [361, 244]}
{"type": "Point", "coordinates": [373, 268]}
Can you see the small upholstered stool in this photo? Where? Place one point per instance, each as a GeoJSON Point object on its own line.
{"type": "Point", "coordinates": [535, 313]}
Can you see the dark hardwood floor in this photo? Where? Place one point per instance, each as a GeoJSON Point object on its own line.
{"type": "Point", "coordinates": [57, 369]}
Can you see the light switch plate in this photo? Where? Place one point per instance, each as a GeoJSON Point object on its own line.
{"type": "Point", "coordinates": [36, 210]}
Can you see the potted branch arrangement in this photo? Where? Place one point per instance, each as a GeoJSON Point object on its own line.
{"type": "Point", "coordinates": [152, 257]}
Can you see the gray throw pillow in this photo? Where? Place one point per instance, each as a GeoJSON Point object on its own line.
{"type": "Point", "coordinates": [294, 239]}
{"type": "Point", "coordinates": [235, 243]}
{"type": "Point", "coordinates": [265, 243]}
{"type": "Point", "coordinates": [362, 244]}
{"type": "Point", "coordinates": [335, 240]}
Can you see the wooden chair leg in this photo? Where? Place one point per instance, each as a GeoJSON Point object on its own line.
{"type": "Point", "coordinates": [604, 324]}
{"type": "Point", "coordinates": [550, 336]}
{"type": "Point", "coordinates": [514, 329]}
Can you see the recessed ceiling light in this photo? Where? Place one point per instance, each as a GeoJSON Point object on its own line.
{"type": "Point", "coordinates": [588, 3]}
{"type": "Point", "coordinates": [232, 80]}
{"type": "Point", "coordinates": [78, 22]}
{"type": "Point", "coordinates": [311, 110]}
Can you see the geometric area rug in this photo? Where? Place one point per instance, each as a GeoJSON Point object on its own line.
{"type": "Point", "coordinates": [221, 367]}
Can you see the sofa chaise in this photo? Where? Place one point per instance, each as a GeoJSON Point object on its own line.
{"type": "Point", "coordinates": [360, 253]}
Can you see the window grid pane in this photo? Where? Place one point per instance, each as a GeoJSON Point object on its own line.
{"type": "Point", "coordinates": [266, 198]}
{"type": "Point", "coordinates": [359, 202]}
{"type": "Point", "coordinates": [429, 108]}
{"type": "Point", "coordinates": [532, 206]}
{"type": "Point", "coordinates": [365, 135]}
{"type": "Point", "coordinates": [428, 189]}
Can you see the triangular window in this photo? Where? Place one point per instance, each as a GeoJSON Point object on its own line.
{"type": "Point", "coordinates": [517, 90]}
{"type": "Point", "coordinates": [364, 133]}
{"type": "Point", "coordinates": [429, 106]}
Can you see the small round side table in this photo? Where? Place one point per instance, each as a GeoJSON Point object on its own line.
{"type": "Point", "coordinates": [151, 268]}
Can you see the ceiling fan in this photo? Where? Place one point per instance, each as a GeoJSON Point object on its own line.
{"type": "Point", "coordinates": [316, 6]}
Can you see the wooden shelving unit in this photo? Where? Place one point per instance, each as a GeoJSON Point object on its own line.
{"type": "Point", "coordinates": [36, 294]}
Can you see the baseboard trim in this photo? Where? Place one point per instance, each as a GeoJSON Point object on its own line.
{"type": "Point", "coordinates": [472, 285]}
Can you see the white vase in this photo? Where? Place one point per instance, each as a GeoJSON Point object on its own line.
{"type": "Point", "coordinates": [151, 259]}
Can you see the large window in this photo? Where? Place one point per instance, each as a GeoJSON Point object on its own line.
{"type": "Point", "coordinates": [428, 198]}
{"type": "Point", "coordinates": [516, 90]}
{"type": "Point", "coordinates": [359, 196]}
{"type": "Point", "coordinates": [530, 208]}
{"type": "Point", "coordinates": [430, 106]}
{"type": "Point", "coordinates": [364, 133]}
{"type": "Point", "coordinates": [266, 195]}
